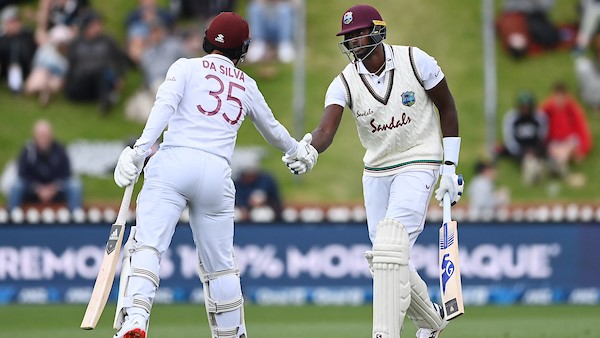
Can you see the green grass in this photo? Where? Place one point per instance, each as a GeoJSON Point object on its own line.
{"type": "Point", "coordinates": [59, 321]}
{"type": "Point", "coordinates": [449, 32]}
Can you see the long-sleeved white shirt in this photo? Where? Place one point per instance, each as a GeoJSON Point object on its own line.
{"type": "Point", "coordinates": [203, 101]}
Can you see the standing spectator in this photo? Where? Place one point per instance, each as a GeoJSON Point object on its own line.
{"type": "Point", "coordinates": [587, 70]}
{"type": "Point", "coordinates": [569, 137]}
{"type": "Point", "coordinates": [50, 65]}
{"type": "Point", "coordinates": [45, 172]}
{"type": "Point", "coordinates": [484, 197]}
{"type": "Point", "coordinates": [96, 65]}
{"type": "Point", "coordinates": [524, 130]}
{"type": "Point", "coordinates": [271, 23]}
{"type": "Point", "coordinates": [17, 47]}
{"type": "Point", "coordinates": [161, 51]}
{"type": "Point", "coordinates": [255, 189]}
{"type": "Point", "coordinates": [138, 24]}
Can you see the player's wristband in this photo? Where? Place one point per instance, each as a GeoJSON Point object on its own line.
{"type": "Point", "coordinates": [451, 150]}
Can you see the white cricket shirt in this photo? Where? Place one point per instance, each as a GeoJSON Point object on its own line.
{"type": "Point", "coordinates": [204, 101]}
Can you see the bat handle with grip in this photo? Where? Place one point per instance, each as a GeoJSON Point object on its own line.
{"type": "Point", "coordinates": [124, 209]}
{"type": "Point", "coordinates": [447, 212]}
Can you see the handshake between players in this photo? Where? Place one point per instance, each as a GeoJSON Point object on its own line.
{"type": "Point", "coordinates": [305, 157]}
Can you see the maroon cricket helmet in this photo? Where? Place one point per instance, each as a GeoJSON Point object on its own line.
{"type": "Point", "coordinates": [228, 30]}
{"type": "Point", "coordinates": [358, 17]}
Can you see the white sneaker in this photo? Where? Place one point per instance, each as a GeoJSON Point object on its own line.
{"type": "Point", "coordinates": [428, 333]}
{"type": "Point", "coordinates": [256, 51]}
{"type": "Point", "coordinates": [133, 327]}
{"type": "Point", "coordinates": [285, 52]}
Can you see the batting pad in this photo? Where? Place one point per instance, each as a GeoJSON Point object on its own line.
{"type": "Point", "coordinates": [421, 310]}
{"type": "Point", "coordinates": [391, 285]}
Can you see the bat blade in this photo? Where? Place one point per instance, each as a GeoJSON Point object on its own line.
{"type": "Point", "coordinates": [106, 274]}
{"type": "Point", "coordinates": [105, 279]}
{"type": "Point", "coordinates": [449, 265]}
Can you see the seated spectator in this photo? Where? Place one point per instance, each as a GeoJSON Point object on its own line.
{"type": "Point", "coordinates": [45, 172]}
{"type": "Point", "coordinates": [569, 137]}
{"type": "Point", "coordinates": [256, 189]}
{"type": "Point", "coordinates": [525, 27]}
{"type": "Point", "coordinates": [50, 65]}
{"type": "Point", "coordinates": [271, 23]}
{"type": "Point", "coordinates": [524, 131]}
{"type": "Point", "coordinates": [587, 70]}
{"type": "Point", "coordinates": [200, 9]}
{"type": "Point", "coordinates": [52, 13]}
{"type": "Point", "coordinates": [162, 50]}
{"type": "Point", "coordinates": [484, 198]}
{"type": "Point", "coordinates": [138, 24]}
{"type": "Point", "coordinates": [17, 46]}
{"type": "Point", "coordinates": [96, 65]}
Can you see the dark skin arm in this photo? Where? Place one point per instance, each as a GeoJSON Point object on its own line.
{"type": "Point", "coordinates": [440, 95]}
{"type": "Point", "coordinates": [443, 100]}
{"type": "Point", "coordinates": [328, 126]}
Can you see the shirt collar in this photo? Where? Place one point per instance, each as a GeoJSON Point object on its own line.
{"type": "Point", "coordinates": [219, 56]}
{"type": "Point", "coordinates": [389, 61]}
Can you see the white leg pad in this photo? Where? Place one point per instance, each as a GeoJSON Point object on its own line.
{"type": "Point", "coordinates": [421, 310]}
{"type": "Point", "coordinates": [224, 303]}
{"type": "Point", "coordinates": [139, 281]}
{"type": "Point", "coordinates": [391, 286]}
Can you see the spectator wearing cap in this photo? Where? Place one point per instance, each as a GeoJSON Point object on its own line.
{"type": "Point", "coordinates": [524, 131]}
{"type": "Point", "coordinates": [17, 47]}
{"type": "Point", "coordinates": [50, 65]}
{"type": "Point", "coordinates": [256, 188]}
{"type": "Point", "coordinates": [96, 65]}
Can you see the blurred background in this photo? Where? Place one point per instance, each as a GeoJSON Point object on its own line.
{"type": "Point", "coordinates": [77, 81]}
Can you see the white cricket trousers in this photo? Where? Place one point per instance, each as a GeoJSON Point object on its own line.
{"type": "Point", "coordinates": [176, 177]}
{"type": "Point", "coordinates": [404, 196]}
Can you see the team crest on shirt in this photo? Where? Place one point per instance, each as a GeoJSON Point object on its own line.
{"type": "Point", "coordinates": [408, 98]}
{"type": "Point", "coordinates": [348, 18]}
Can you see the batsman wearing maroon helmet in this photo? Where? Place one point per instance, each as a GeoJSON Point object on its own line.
{"type": "Point", "coordinates": [408, 123]}
{"type": "Point", "coordinates": [203, 101]}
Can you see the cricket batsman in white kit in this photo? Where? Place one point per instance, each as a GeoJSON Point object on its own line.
{"type": "Point", "coordinates": [392, 92]}
{"type": "Point", "coordinates": [203, 101]}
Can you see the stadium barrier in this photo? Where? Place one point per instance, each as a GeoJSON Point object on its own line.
{"type": "Point", "coordinates": [320, 263]}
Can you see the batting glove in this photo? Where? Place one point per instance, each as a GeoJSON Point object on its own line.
{"type": "Point", "coordinates": [304, 159]}
{"type": "Point", "coordinates": [451, 183]}
{"type": "Point", "coordinates": [129, 166]}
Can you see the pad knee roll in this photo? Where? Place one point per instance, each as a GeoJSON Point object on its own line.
{"type": "Point", "coordinates": [421, 310]}
{"type": "Point", "coordinates": [391, 286]}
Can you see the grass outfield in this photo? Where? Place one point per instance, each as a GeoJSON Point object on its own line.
{"type": "Point", "coordinates": [182, 321]}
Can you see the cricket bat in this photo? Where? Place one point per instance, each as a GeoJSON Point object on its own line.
{"type": "Point", "coordinates": [106, 275]}
{"type": "Point", "coordinates": [450, 284]}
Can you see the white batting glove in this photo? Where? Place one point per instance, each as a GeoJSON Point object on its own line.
{"type": "Point", "coordinates": [451, 183]}
{"type": "Point", "coordinates": [304, 159]}
{"type": "Point", "coordinates": [129, 166]}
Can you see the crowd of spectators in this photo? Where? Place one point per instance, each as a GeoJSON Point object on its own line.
{"type": "Point", "coordinates": [65, 50]}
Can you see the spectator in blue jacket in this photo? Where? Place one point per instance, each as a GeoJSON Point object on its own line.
{"type": "Point", "coordinates": [45, 172]}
